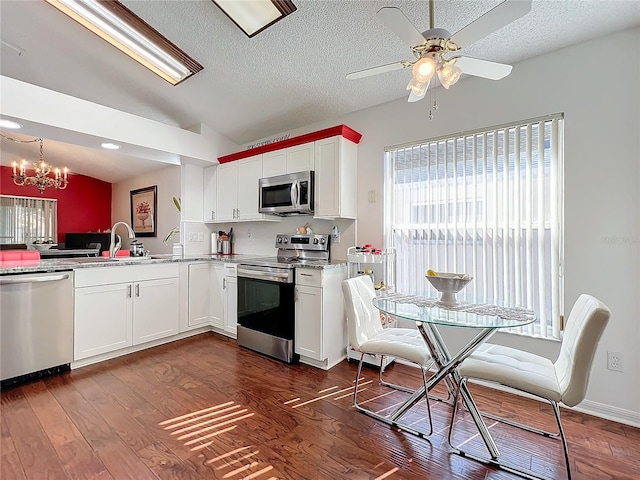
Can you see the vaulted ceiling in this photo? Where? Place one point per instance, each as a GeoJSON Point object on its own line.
{"type": "Point", "coordinates": [289, 76]}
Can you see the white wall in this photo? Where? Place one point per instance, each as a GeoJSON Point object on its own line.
{"type": "Point", "coordinates": [168, 182]}
{"type": "Point", "coordinates": [596, 86]}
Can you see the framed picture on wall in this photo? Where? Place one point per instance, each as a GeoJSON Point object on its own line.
{"type": "Point", "coordinates": [144, 202]}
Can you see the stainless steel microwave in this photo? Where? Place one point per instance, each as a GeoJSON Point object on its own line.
{"type": "Point", "coordinates": [290, 194]}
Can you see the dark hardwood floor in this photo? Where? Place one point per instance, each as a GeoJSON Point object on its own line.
{"type": "Point", "coordinates": [205, 408]}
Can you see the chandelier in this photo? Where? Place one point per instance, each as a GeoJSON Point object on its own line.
{"type": "Point", "coordinates": [41, 179]}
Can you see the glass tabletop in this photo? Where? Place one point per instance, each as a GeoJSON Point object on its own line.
{"type": "Point", "coordinates": [470, 315]}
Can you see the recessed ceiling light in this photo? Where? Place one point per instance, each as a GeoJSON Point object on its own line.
{"type": "Point", "coordinates": [110, 146]}
{"type": "Point", "coordinates": [123, 29]}
{"type": "Point", "coordinates": [9, 124]}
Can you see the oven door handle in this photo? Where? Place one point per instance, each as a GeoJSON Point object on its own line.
{"type": "Point", "coordinates": [267, 275]}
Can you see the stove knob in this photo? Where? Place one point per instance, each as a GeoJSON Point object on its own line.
{"type": "Point", "coordinates": [286, 240]}
{"type": "Point", "coordinates": [279, 239]}
{"type": "Point", "coordinates": [315, 241]}
{"type": "Point", "coordinates": [322, 241]}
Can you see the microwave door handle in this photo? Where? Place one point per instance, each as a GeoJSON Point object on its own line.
{"type": "Point", "coordinates": [294, 193]}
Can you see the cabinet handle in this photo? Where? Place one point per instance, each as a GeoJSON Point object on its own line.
{"type": "Point", "coordinates": [306, 275]}
{"type": "Point", "coordinates": [129, 291]}
{"type": "Point", "coordinates": [224, 283]}
{"type": "Point", "coordinates": [137, 289]}
{"type": "Point", "coordinates": [295, 295]}
{"type": "Point", "coordinates": [213, 214]}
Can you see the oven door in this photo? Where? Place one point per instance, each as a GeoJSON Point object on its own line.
{"type": "Point", "coordinates": [266, 313]}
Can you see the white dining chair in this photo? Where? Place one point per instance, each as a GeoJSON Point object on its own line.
{"type": "Point", "coordinates": [563, 381]}
{"type": "Point", "coordinates": [368, 336]}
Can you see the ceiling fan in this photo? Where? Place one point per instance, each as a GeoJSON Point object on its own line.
{"type": "Point", "coordinates": [435, 49]}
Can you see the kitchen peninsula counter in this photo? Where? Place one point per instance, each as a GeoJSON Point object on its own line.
{"type": "Point", "coordinates": [66, 264]}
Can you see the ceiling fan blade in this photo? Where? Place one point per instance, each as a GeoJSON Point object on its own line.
{"type": "Point", "coordinates": [395, 21]}
{"type": "Point", "coordinates": [377, 70]}
{"type": "Point", "coordinates": [483, 68]}
{"type": "Point", "coordinates": [496, 18]}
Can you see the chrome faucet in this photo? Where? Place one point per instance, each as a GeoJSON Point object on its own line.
{"type": "Point", "coordinates": [115, 246]}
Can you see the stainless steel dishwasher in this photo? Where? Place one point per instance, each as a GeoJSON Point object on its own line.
{"type": "Point", "coordinates": [36, 317]}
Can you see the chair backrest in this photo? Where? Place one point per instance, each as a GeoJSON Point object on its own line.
{"type": "Point", "coordinates": [586, 322]}
{"type": "Point", "coordinates": [363, 319]}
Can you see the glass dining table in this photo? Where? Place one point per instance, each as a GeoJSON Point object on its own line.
{"type": "Point", "coordinates": [485, 319]}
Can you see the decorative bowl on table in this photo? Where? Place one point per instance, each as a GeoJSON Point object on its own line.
{"type": "Point", "coordinates": [44, 246]}
{"type": "Point", "coordinates": [448, 284]}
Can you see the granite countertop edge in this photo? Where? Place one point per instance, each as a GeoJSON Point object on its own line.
{"type": "Point", "coordinates": [66, 264]}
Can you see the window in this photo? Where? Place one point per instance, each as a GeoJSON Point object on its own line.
{"type": "Point", "coordinates": [488, 203]}
{"type": "Point", "coordinates": [26, 219]}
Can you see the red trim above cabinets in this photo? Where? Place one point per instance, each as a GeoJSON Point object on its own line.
{"type": "Point", "coordinates": [343, 130]}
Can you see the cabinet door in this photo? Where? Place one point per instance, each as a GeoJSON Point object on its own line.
{"type": "Point", "coordinates": [155, 309]}
{"type": "Point", "coordinates": [199, 294]}
{"type": "Point", "coordinates": [308, 335]}
{"type": "Point", "coordinates": [217, 295]}
{"type": "Point", "coordinates": [300, 158]}
{"type": "Point", "coordinates": [249, 172]}
{"type": "Point", "coordinates": [274, 163]}
{"type": "Point", "coordinates": [210, 193]}
{"type": "Point", "coordinates": [327, 178]}
{"type": "Point", "coordinates": [102, 319]}
{"type": "Point", "coordinates": [227, 192]}
{"type": "Point", "coordinates": [231, 305]}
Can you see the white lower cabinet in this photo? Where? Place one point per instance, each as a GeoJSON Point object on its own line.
{"type": "Point", "coordinates": [230, 298]}
{"type": "Point", "coordinates": [123, 306]}
{"type": "Point", "coordinates": [320, 323]}
{"type": "Point", "coordinates": [224, 297]}
{"type": "Point", "coordinates": [199, 303]}
{"type": "Point", "coordinates": [217, 295]}
{"type": "Point", "coordinates": [309, 341]}
{"type": "Point", "coordinates": [103, 319]}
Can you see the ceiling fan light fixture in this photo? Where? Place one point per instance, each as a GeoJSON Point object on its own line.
{"type": "Point", "coordinates": [116, 24]}
{"type": "Point", "coordinates": [449, 73]}
{"type": "Point", "coordinates": [424, 68]}
{"type": "Point", "coordinates": [253, 16]}
{"type": "Point", "coordinates": [418, 88]}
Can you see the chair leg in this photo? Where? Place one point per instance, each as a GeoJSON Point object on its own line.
{"type": "Point", "coordinates": [556, 412]}
{"type": "Point", "coordinates": [355, 390]}
{"type": "Point", "coordinates": [387, 419]}
{"type": "Point", "coordinates": [496, 462]}
{"type": "Point", "coordinates": [426, 399]}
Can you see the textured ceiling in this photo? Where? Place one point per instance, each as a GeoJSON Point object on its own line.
{"type": "Point", "coordinates": [290, 75]}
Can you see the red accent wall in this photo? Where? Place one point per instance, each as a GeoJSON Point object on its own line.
{"type": "Point", "coordinates": [84, 206]}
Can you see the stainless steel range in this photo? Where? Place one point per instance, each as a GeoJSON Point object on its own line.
{"type": "Point", "coordinates": [266, 286]}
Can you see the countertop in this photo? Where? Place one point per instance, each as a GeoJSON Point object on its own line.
{"type": "Point", "coordinates": [62, 264]}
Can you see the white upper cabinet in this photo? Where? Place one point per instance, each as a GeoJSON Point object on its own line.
{"type": "Point", "coordinates": [210, 193]}
{"type": "Point", "coordinates": [236, 192]}
{"type": "Point", "coordinates": [335, 178]}
{"type": "Point", "coordinates": [299, 158]}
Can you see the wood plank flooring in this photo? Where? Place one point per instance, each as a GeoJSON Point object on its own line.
{"type": "Point", "coordinates": [204, 408]}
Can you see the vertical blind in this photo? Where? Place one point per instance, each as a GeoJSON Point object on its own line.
{"type": "Point", "coordinates": [27, 219]}
{"type": "Point", "coordinates": [487, 203]}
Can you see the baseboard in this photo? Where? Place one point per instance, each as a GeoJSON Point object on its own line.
{"type": "Point", "coordinates": [615, 414]}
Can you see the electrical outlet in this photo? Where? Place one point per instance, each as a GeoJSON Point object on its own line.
{"type": "Point", "coordinates": [335, 234]}
{"type": "Point", "coordinates": [372, 196]}
{"type": "Point", "coordinates": [614, 361]}
{"type": "Point", "coordinates": [201, 236]}
{"type": "Point", "coordinates": [193, 236]}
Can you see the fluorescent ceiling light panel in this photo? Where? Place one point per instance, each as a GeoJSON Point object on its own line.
{"type": "Point", "coordinates": [123, 29]}
{"type": "Point", "coordinates": [110, 146]}
{"type": "Point", "coordinates": [4, 123]}
{"type": "Point", "coordinates": [253, 16]}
